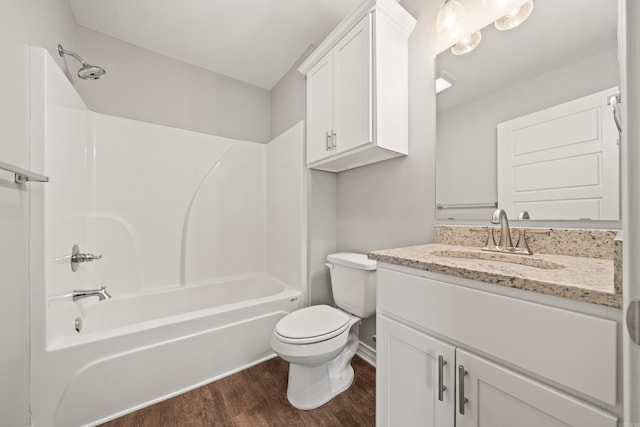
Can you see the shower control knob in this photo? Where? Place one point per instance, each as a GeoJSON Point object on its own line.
{"type": "Point", "coordinates": [77, 257]}
{"type": "Point", "coordinates": [84, 257]}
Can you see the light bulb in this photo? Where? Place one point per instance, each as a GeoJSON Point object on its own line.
{"type": "Point", "coordinates": [515, 16]}
{"type": "Point", "coordinates": [452, 19]}
{"type": "Point", "coordinates": [467, 43]}
{"type": "Point", "coordinates": [495, 5]}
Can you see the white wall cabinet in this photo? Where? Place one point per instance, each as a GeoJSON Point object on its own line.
{"type": "Point", "coordinates": [357, 89]}
{"type": "Point", "coordinates": [419, 327]}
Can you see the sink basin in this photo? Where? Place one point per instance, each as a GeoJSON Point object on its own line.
{"type": "Point", "coordinates": [479, 256]}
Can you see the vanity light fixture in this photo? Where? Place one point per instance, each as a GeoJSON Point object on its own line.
{"type": "Point", "coordinates": [444, 81]}
{"type": "Point", "coordinates": [452, 20]}
{"type": "Point", "coordinates": [515, 16]}
{"type": "Point", "coordinates": [496, 5]}
{"type": "Point", "coordinates": [467, 43]}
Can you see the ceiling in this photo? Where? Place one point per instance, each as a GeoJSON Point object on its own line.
{"type": "Point", "coordinates": [556, 34]}
{"type": "Point", "coordinates": [255, 41]}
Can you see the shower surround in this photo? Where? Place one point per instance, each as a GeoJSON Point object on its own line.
{"type": "Point", "coordinates": [202, 240]}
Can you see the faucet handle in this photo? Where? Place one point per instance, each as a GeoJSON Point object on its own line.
{"type": "Point", "coordinates": [522, 242]}
{"type": "Point", "coordinates": [522, 239]}
{"type": "Point", "coordinates": [78, 257]}
{"type": "Point", "coordinates": [491, 240]}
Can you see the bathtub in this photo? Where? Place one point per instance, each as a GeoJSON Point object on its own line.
{"type": "Point", "coordinates": [137, 350]}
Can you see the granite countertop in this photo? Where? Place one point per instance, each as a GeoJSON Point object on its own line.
{"type": "Point", "coordinates": [579, 278]}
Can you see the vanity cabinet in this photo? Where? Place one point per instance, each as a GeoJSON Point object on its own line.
{"type": "Point", "coordinates": [415, 374]}
{"type": "Point", "coordinates": [357, 89]}
{"type": "Point", "coordinates": [489, 394]}
{"type": "Point", "coordinates": [451, 355]}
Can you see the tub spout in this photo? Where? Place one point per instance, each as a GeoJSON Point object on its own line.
{"type": "Point", "coordinates": [101, 293]}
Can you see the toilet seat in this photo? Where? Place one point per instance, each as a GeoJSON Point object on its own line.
{"type": "Point", "coordinates": [311, 325]}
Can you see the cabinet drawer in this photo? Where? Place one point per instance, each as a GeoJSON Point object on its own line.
{"type": "Point", "coordinates": [572, 349]}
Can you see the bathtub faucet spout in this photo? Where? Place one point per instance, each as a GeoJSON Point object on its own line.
{"type": "Point", "coordinates": [101, 293]}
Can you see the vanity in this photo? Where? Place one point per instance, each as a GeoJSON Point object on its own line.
{"type": "Point", "coordinates": [468, 337]}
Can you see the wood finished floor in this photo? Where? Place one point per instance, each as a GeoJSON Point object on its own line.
{"type": "Point", "coordinates": [257, 397]}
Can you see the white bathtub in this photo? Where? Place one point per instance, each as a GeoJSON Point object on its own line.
{"type": "Point", "coordinates": [134, 351]}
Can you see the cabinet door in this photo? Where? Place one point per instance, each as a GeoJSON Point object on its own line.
{"type": "Point", "coordinates": [320, 109]}
{"type": "Point", "coordinates": [408, 377]}
{"type": "Point", "coordinates": [353, 88]}
{"type": "Point", "coordinates": [498, 397]}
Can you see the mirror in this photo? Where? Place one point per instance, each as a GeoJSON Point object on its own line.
{"type": "Point", "coordinates": [565, 51]}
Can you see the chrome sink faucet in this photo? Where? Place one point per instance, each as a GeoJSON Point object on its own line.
{"type": "Point", "coordinates": [101, 293]}
{"type": "Point", "coordinates": [500, 217]}
{"type": "Point", "coordinates": [506, 244]}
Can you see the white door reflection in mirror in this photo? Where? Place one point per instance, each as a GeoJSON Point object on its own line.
{"type": "Point", "coordinates": [561, 162]}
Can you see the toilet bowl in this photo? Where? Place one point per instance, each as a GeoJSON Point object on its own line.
{"type": "Point", "coordinates": [319, 357]}
{"type": "Point", "coordinates": [320, 341]}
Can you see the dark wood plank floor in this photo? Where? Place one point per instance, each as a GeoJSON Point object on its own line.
{"type": "Point", "coordinates": [257, 397]}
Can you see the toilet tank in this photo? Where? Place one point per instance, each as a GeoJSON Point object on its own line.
{"type": "Point", "coordinates": [353, 281]}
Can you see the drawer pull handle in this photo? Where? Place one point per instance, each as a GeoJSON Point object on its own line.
{"type": "Point", "coordinates": [461, 399]}
{"type": "Point", "coordinates": [441, 386]}
{"type": "Point", "coordinates": [326, 141]}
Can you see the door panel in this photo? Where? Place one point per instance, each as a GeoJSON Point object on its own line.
{"type": "Point", "coordinates": [408, 377]}
{"type": "Point", "coordinates": [499, 397]}
{"type": "Point", "coordinates": [561, 162]}
{"type": "Point", "coordinates": [319, 108]}
{"type": "Point", "coordinates": [353, 88]}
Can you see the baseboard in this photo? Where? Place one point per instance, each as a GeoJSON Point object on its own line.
{"type": "Point", "coordinates": [367, 353]}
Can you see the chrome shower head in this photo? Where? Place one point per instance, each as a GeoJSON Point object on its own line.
{"type": "Point", "coordinates": [88, 71]}
{"type": "Point", "coordinates": [91, 72]}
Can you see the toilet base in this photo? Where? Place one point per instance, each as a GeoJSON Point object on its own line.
{"type": "Point", "coordinates": [312, 386]}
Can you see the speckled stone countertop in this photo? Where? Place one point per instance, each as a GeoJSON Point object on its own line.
{"type": "Point", "coordinates": [587, 278]}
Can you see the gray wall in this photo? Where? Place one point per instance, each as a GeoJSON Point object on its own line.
{"type": "Point", "coordinates": [289, 98]}
{"type": "Point", "coordinates": [44, 23]}
{"type": "Point", "coordinates": [144, 85]}
{"type": "Point", "coordinates": [392, 203]}
{"type": "Point", "coordinates": [289, 106]}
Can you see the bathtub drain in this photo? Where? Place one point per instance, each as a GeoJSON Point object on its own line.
{"type": "Point", "coordinates": [78, 324]}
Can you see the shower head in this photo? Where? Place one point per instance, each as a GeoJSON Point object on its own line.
{"type": "Point", "coordinates": [91, 72]}
{"type": "Point", "coordinates": [88, 71]}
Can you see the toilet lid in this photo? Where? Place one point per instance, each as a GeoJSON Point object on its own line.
{"type": "Point", "coordinates": [318, 321]}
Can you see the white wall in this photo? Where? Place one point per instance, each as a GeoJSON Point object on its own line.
{"type": "Point", "coordinates": [192, 212]}
{"type": "Point", "coordinates": [144, 85]}
{"type": "Point", "coordinates": [45, 23]}
{"type": "Point", "coordinates": [286, 208]}
{"type": "Point", "coordinates": [164, 206]}
{"type": "Point", "coordinates": [191, 204]}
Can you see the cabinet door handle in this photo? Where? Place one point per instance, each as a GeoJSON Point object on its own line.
{"type": "Point", "coordinates": [441, 386]}
{"type": "Point", "coordinates": [334, 140]}
{"type": "Point", "coordinates": [327, 136]}
{"type": "Point", "coordinates": [461, 399]}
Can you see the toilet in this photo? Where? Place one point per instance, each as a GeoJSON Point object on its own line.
{"type": "Point", "coordinates": [320, 341]}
